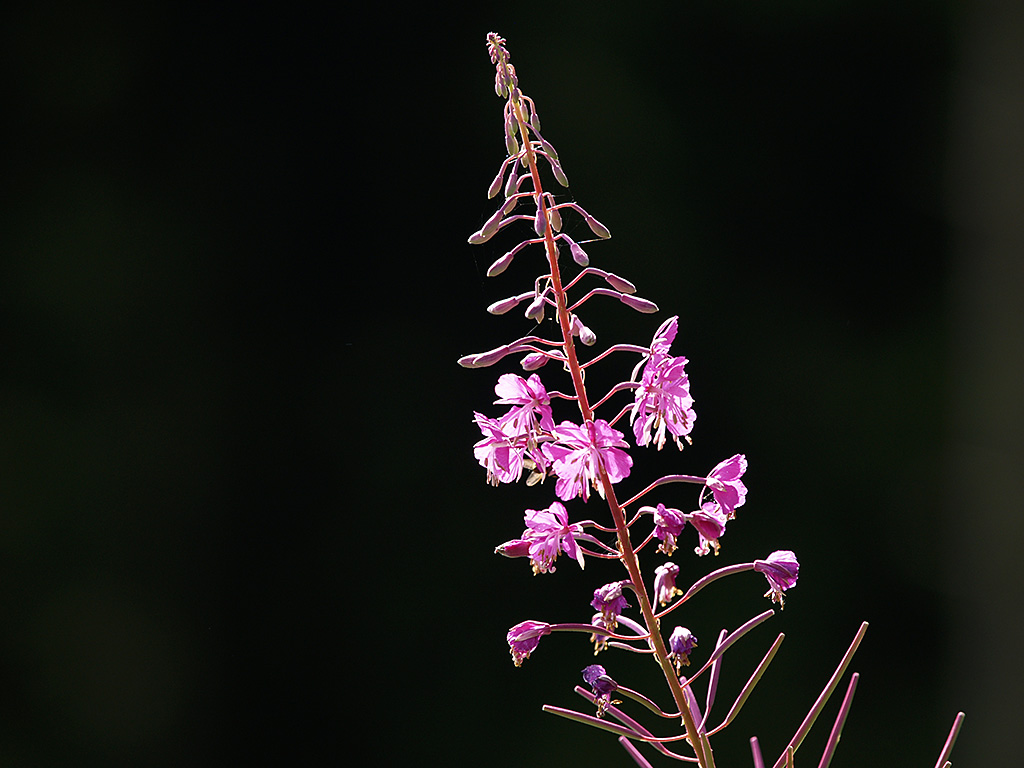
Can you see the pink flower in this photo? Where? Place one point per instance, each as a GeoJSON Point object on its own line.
{"type": "Point", "coordinates": [532, 401]}
{"type": "Point", "coordinates": [781, 569]}
{"type": "Point", "coordinates": [500, 452]}
{"type": "Point", "coordinates": [725, 484]}
{"type": "Point", "coordinates": [681, 643]}
{"type": "Point", "coordinates": [610, 602]}
{"type": "Point", "coordinates": [580, 453]}
{"type": "Point", "coordinates": [665, 582]}
{"type": "Point", "coordinates": [668, 524]}
{"type": "Point", "coordinates": [524, 637]}
{"type": "Point", "coordinates": [548, 532]}
{"type": "Point", "coordinates": [709, 521]}
{"type": "Point", "coordinates": [662, 401]}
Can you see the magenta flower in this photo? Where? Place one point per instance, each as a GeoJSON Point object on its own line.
{"type": "Point", "coordinates": [579, 453]}
{"type": "Point", "coordinates": [534, 404]}
{"type": "Point", "coordinates": [664, 336]}
{"type": "Point", "coordinates": [681, 642]}
{"type": "Point", "coordinates": [662, 401]}
{"type": "Point", "coordinates": [668, 524]}
{"type": "Point", "coordinates": [524, 637]}
{"type": "Point", "coordinates": [665, 582]}
{"type": "Point", "coordinates": [548, 532]}
{"type": "Point", "coordinates": [710, 522]}
{"type": "Point", "coordinates": [781, 569]}
{"type": "Point", "coordinates": [610, 602]}
{"type": "Point", "coordinates": [725, 484]}
{"type": "Point", "coordinates": [500, 452]}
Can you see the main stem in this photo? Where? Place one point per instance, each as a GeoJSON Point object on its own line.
{"type": "Point", "coordinates": [628, 555]}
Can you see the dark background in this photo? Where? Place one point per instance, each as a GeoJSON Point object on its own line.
{"type": "Point", "coordinates": [241, 521]}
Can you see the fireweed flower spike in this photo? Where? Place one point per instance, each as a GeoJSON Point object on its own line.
{"type": "Point", "coordinates": [584, 451]}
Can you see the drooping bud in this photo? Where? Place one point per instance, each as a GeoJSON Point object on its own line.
{"type": "Point", "coordinates": [640, 305]}
{"type": "Point", "coordinates": [533, 361]}
{"type": "Point", "coordinates": [578, 254]}
{"type": "Point", "coordinates": [540, 222]}
{"type": "Point", "coordinates": [597, 227]}
{"type": "Point", "coordinates": [503, 306]}
{"type": "Point", "coordinates": [535, 311]}
{"type": "Point", "coordinates": [493, 224]}
{"type": "Point", "coordinates": [555, 216]}
{"type": "Point", "coordinates": [512, 185]}
{"type": "Point", "coordinates": [514, 548]}
{"type": "Point", "coordinates": [500, 265]}
{"type": "Point", "coordinates": [619, 283]}
{"type": "Point", "coordinates": [495, 187]}
{"type": "Point", "coordinates": [560, 176]}
{"type": "Point", "coordinates": [484, 359]}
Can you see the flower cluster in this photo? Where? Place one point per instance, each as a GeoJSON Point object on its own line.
{"type": "Point", "coordinates": [586, 453]}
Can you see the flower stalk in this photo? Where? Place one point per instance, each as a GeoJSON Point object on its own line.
{"type": "Point", "coordinates": [593, 455]}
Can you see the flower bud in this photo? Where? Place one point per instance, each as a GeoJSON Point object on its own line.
{"type": "Point", "coordinates": [495, 187]}
{"type": "Point", "coordinates": [500, 265]}
{"type": "Point", "coordinates": [640, 305]}
{"type": "Point", "coordinates": [619, 283]}
{"type": "Point", "coordinates": [533, 361]}
{"type": "Point", "coordinates": [597, 227]}
{"type": "Point", "coordinates": [560, 176]}
{"type": "Point", "coordinates": [503, 306]}
{"type": "Point", "coordinates": [514, 548]}
{"type": "Point", "coordinates": [512, 185]}
{"type": "Point", "coordinates": [535, 311]}
{"type": "Point", "coordinates": [556, 219]}
{"type": "Point", "coordinates": [578, 254]}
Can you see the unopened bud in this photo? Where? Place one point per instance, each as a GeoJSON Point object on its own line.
{"type": "Point", "coordinates": [492, 224]}
{"type": "Point", "coordinates": [503, 306]}
{"type": "Point", "coordinates": [620, 283]}
{"type": "Point", "coordinates": [496, 184]}
{"type": "Point", "coordinates": [560, 176]}
{"type": "Point", "coordinates": [533, 361]}
{"type": "Point", "coordinates": [514, 548]}
{"type": "Point", "coordinates": [535, 311]}
{"type": "Point", "coordinates": [597, 227]}
{"type": "Point", "coordinates": [578, 254]}
{"type": "Point", "coordinates": [500, 265]}
{"type": "Point", "coordinates": [512, 185]}
{"type": "Point", "coordinates": [556, 219]}
{"type": "Point", "coordinates": [640, 305]}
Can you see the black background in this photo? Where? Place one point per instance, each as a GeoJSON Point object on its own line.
{"type": "Point", "coordinates": [241, 520]}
